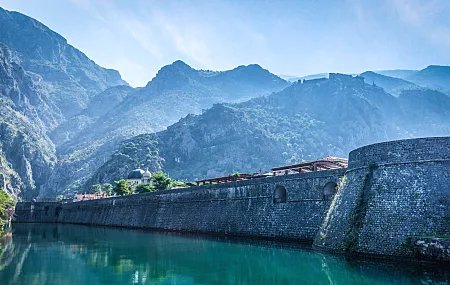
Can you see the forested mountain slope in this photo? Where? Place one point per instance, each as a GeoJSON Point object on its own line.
{"type": "Point", "coordinates": [305, 121]}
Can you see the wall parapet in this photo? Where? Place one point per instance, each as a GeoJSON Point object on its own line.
{"type": "Point", "coordinates": [401, 151]}
{"type": "Point", "coordinates": [239, 208]}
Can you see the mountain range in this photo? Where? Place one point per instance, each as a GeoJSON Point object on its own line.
{"type": "Point", "coordinates": [67, 123]}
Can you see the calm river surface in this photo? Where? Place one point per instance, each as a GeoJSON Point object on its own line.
{"type": "Point", "coordinates": [70, 254]}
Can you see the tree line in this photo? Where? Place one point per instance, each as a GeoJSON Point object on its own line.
{"type": "Point", "coordinates": [160, 181]}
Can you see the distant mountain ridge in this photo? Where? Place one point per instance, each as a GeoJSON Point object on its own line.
{"type": "Point", "coordinates": [66, 122]}
{"type": "Point", "coordinates": [175, 91]}
{"type": "Point", "coordinates": [434, 77]}
{"type": "Point", "coordinates": [397, 73]}
{"type": "Point", "coordinates": [305, 121]}
{"type": "Point", "coordinates": [391, 84]}
{"type": "Point", "coordinates": [291, 78]}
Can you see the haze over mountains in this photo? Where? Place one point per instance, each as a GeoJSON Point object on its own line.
{"type": "Point", "coordinates": [67, 123]}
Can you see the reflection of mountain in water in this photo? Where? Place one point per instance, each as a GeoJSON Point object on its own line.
{"type": "Point", "coordinates": [55, 254]}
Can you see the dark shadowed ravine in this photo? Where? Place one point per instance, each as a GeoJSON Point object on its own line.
{"type": "Point", "coordinates": [71, 254]}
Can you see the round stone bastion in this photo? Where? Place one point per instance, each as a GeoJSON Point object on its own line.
{"type": "Point", "coordinates": [392, 193]}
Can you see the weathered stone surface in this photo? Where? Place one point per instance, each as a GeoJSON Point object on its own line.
{"type": "Point", "coordinates": [41, 212]}
{"type": "Point", "coordinates": [391, 191]}
{"type": "Point", "coordinates": [244, 208]}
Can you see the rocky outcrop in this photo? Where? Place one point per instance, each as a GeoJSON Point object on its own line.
{"type": "Point", "coordinates": [26, 153]}
{"type": "Point", "coordinates": [70, 77]}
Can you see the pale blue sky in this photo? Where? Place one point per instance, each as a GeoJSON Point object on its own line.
{"type": "Point", "coordinates": [287, 37]}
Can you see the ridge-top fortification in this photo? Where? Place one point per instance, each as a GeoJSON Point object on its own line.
{"type": "Point", "coordinates": [392, 200]}
{"type": "Point", "coordinates": [392, 195]}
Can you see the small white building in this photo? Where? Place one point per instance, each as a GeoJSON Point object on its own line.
{"type": "Point", "coordinates": [147, 177]}
{"type": "Point", "coordinates": [139, 176]}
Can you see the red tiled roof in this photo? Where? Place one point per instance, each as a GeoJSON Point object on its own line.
{"type": "Point", "coordinates": [90, 196]}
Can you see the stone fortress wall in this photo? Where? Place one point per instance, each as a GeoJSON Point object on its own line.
{"type": "Point", "coordinates": [41, 212]}
{"type": "Point", "coordinates": [392, 193]}
{"type": "Point", "coordinates": [393, 200]}
{"type": "Point", "coordinates": [285, 207]}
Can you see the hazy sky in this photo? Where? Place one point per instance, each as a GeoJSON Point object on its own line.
{"type": "Point", "coordinates": [287, 37]}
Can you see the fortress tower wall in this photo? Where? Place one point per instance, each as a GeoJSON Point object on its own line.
{"type": "Point", "coordinates": [391, 194]}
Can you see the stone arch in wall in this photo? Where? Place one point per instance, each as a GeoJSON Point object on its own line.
{"type": "Point", "coordinates": [329, 190]}
{"type": "Point", "coordinates": [280, 194]}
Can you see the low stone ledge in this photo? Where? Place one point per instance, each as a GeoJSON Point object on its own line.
{"type": "Point", "coordinates": [431, 248]}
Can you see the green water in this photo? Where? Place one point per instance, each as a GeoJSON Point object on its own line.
{"type": "Point", "coordinates": [69, 254]}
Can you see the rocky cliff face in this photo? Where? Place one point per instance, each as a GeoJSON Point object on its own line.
{"type": "Point", "coordinates": [43, 82]}
{"type": "Point", "coordinates": [70, 77]}
{"type": "Point", "coordinates": [26, 153]}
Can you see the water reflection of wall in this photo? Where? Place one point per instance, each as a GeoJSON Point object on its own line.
{"type": "Point", "coordinates": [90, 255]}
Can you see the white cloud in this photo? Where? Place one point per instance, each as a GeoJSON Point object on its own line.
{"type": "Point", "coordinates": [144, 35]}
{"type": "Point", "coordinates": [90, 8]}
{"type": "Point", "coordinates": [425, 17]}
{"type": "Point", "coordinates": [188, 40]}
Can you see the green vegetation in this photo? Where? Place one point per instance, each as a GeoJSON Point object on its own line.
{"type": "Point", "coordinates": [178, 183]}
{"type": "Point", "coordinates": [107, 188]}
{"type": "Point", "coordinates": [121, 188]}
{"type": "Point", "coordinates": [145, 188]}
{"type": "Point", "coordinates": [6, 202]}
{"type": "Point", "coordinates": [161, 181]}
{"type": "Point", "coordinates": [97, 188]}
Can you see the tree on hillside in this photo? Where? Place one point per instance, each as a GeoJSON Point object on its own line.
{"type": "Point", "coordinates": [144, 188]}
{"type": "Point", "coordinates": [97, 188]}
{"type": "Point", "coordinates": [121, 188]}
{"type": "Point", "coordinates": [107, 189]}
{"type": "Point", "coordinates": [161, 181]}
